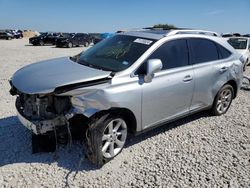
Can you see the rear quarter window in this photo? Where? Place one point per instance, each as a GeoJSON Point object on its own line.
{"type": "Point", "coordinates": [223, 52]}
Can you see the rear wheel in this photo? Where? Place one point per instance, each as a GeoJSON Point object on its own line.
{"type": "Point", "coordinates": [223, 100]}
{"type": "Point", "coordinates": [106, 137]}
{"type": "Point", "coordinates": [86, 44]}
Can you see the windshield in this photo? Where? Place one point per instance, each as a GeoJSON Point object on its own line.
{"type": "Point", "coordinates": [238, 43]}
{"type": "Point", "coordinates": [43, 34]}
{"type": "Point", "coordinates": [116, 53]}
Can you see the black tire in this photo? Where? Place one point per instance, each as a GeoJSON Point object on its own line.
{"type": "Point", "coordinates": [41, 43]}
{"type": "Point", "coordinates": [244, 67]}
{"type": "Point", "coordinates": [70, 45]}
{"type": "Point", "coordinates": [222, 102]}
{"type": "Point", "coordinates": [96, 134]}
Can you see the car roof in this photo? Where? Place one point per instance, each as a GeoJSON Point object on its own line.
{"type": "Point", "coordinates": [158, 34]}
{"type": "Point", "coordinates": [239, 38]}
{"type": "Point", "coordinates": [144, 34]}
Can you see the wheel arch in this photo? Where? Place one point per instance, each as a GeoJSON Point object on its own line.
{"type": "Point", "coordinates": [127, 114]}
{"type": "Point", "coordinates": [234, 85]}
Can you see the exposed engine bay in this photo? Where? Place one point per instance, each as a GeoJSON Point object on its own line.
{"type": "Point", "coordinates": [45, 112]}
{"type": "Point", "coordinates": [42, 107]}
{"type": "Point", "coordinates": [45, 115]}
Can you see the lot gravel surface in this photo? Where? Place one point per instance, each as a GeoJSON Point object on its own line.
{"type": "Point", "coordinates": [199, 151]}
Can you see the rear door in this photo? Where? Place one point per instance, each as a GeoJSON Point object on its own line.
{"type": "Point", "coordinates": [47, 39]}
{"type": "Point", "coordinates": [210, 70]}
{"type": "Point", "coordinates": [170, 92]}
{"type": "Point", "coordinates": [79, 39]}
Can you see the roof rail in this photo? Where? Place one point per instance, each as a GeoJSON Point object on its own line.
{"type": "Point", "coordinates": [201, 32]}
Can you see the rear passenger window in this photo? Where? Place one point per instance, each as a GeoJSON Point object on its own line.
{"type": "Point", "coordinates": [173, 54]}
{"type": "Point", "coordinates": [223, 52]}
{"type": "Point", "coordinates": [202, 50]}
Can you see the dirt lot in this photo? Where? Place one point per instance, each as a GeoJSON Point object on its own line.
{"type": "Point", "coordinates": [197, 151]}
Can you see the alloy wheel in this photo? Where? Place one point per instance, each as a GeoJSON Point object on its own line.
{"type": "Point", "coordinates": [224, 100]}
{"type": "Point", "coordinates": [114, 137]}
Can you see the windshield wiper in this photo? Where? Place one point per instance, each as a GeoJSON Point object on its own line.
{"type": "Point", "coordinates": [93, 66]}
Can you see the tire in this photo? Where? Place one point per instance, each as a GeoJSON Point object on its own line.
{"type": "Point", "coordinates": [70, 45]}
{"type": "Point", "coordinates": [86, 44]}
{"type": "Point", "coordinates": [41, 43]}
{"type": "Point", "coordinates": [106, 137]}
{"type": "Point", "coordinates": [223, 100]}
{"type": "Point", "coordinates": [245, 65]}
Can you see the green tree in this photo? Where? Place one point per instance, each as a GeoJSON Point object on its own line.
{"type": "Point", "coordinates": [165, 26]}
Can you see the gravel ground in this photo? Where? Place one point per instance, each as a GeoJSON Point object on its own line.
{"type": "Point", "coordinates": [199, 151]}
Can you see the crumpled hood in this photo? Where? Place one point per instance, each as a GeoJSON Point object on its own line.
{"type": "Point", "coordinates": [43, 77]}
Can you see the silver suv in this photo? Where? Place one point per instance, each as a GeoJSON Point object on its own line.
{"type": "Point", "coordinates": [130, 82]}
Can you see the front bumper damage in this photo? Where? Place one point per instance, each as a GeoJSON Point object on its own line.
{"type": "Point", "coordinates": [42, 126]}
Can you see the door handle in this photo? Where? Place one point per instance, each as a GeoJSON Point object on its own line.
{"type": "Point", "coordinates": [187, 78]}
{"type": "Point", "coordinates": [223, 69]}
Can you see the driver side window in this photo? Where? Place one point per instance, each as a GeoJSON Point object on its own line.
{"type": "Point", "coordinates": [173, 54]}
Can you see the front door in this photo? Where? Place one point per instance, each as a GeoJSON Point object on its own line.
{"type": "Point", "coordinates": [169, 95]}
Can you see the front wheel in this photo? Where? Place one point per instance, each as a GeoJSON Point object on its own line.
{"type": "Point", "coordinates": [106, 137]}
{"type": "Point", "coordinates": [70, 45]}
{"type": "Point", "coordinates": [223, 100]}
{"type": "Point", "coordinates": [41, 43]}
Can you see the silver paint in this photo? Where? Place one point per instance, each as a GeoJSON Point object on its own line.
{"type": "Point", "coordinates": [171, 94]}
{"type": "Point", "coordinates": [45, 76]}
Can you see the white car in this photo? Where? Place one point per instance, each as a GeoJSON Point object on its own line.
{"type": "Point", "coordinates": [242, 45]}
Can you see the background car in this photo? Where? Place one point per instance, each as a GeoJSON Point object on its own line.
{"type": "Point", "coordinates": [242, 45]}
{"type": "Point", "coordinates": [45, 39]}
{"type": "Point", "coordinates": [71, 40]}
{"type": "Point", "coordinates": [17, 34]}
{"type": "Point", "coordinates": [6, 35]}
{"type": "Point", "coordinates": [102, 36]}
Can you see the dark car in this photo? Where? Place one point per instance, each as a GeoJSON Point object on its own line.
{"type": "Point", "coordinates": [102, 36]}
{"type": "Point", "coordinates": [6, 35]}
{"type": "Point", "coordinates": [74, 40]}
{"type": "Point", "coordinates": [45, 39]}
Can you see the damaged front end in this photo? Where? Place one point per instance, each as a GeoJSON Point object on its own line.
{"type": "Point", "coordinates": [44, 99]}
{"type": "Point", "coordinates": [45, 116]}
{"type": "Point", "coordinates": [42, 113]}
{"type": "Point", "coordinates": [57, 117]}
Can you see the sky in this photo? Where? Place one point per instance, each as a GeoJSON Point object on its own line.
{"type": "Point", "coordinates": [223, 16]}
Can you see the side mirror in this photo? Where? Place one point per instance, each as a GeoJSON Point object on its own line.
{"type": "Point", "coordinates": [153, 66]}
